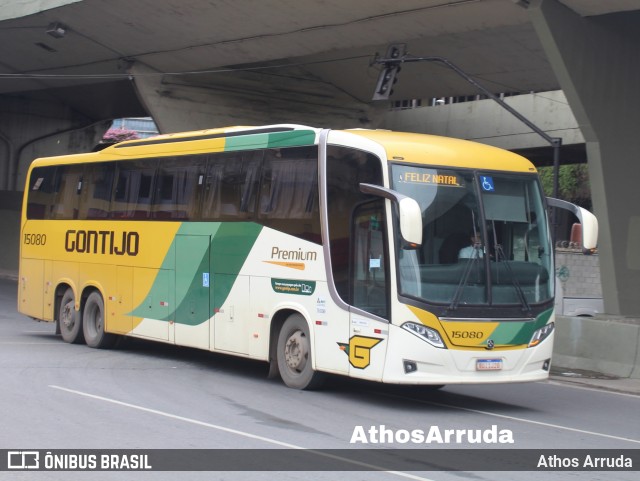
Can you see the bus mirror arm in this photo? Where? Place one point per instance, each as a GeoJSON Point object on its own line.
{"type": "Point", "coordinates": [409, 213]}
{"type": "Point", "coordinates": [586, 218]}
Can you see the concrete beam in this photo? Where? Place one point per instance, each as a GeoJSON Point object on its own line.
{"type": "Point", "coordinates": [487, 122]}
{"type": "Point", "coordinates": [12, 9]}
{"type": "Point", "coordinates": [595, 59]}
{"type": "Point", "coordinates": [178, 103]}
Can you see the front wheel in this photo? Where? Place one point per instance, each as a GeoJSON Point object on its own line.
{"type": "Point", "coordinates": [70, 320]}
{"type": "Point", "coordinates": [93, 323]}
{"type": "Point", "coordinates": [294, 355]}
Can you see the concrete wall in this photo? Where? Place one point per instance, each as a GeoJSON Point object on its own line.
{"type": "Point", "coordinates": [579, 274]}
{"type": "Point", "coordinates": [10, 204]}
{"type": "Point", "coordinates": [606, 345]}
{"type": "Point", "coordinates": [248, 98]}
{"type": "Point", "coordinates": [487, 122]}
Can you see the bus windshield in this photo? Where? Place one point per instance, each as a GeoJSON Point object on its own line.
{"type": "Point", "coordinates": [485, 238]}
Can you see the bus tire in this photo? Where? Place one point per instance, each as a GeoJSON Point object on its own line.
{"type": "Point", "coordinates": [70, 320]}
{"type": "Point", "coordinates": [294, 355]}
{"type": "Point", "coordinates": [93, 323]}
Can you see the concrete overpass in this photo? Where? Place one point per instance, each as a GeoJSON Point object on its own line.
{"type": "Point", "coordinates": [67, 66]}
{"type": "Point", "coordinates": [487, 122]}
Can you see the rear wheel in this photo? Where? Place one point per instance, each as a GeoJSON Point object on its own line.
{"type": "Point", "coordinates": [70, 320]}
{"type": "Point", "coordinates": [294, 355]}
{"type": "Point", "coordinates": [93, 323]}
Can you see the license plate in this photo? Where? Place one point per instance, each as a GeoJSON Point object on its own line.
{"type": "Point", "coordinates": [488, 364]}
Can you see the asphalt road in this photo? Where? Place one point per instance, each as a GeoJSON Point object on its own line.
{"type": "Point", "coordinates": [144, 395]}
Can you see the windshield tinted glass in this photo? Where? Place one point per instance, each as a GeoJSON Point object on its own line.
{"type": "Point", "coordinates": [485, 238]}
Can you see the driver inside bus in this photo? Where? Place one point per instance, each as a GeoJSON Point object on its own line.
{"type": "Point", "coordinates": [474, 250]}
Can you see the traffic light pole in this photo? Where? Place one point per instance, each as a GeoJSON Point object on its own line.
{"type": "Point", "coordinates": [395, 62]}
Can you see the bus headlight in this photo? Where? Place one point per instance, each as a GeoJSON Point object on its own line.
{"type": "Point", "coordinates": [541, 334]}
{"type": "Point", "coordinates": [425, 333]}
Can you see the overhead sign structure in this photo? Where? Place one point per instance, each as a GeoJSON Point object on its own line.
{"type": "Point", "coordinates": [388, 75]}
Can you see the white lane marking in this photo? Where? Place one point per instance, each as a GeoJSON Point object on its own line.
{"type": "Point", "coordinates": [604, 389]}
{"type": "Point", "coordinates": [513, 418]}
{"type": "Point", "coordinates": [235, 431]}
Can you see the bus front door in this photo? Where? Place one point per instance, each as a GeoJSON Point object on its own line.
{"type": "Point", "coordinates": [370, 292]}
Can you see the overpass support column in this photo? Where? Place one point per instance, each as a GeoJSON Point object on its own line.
{"type": "Point", "coordinates": [596, 62]}
{"type": "Point", "coordinates": [31, 128]}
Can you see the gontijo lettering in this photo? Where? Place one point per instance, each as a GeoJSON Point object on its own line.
{"type": "Point", "coordinates": [102, 242]}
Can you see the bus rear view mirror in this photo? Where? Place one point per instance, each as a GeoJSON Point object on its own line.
{"type": "Point", "coordinates": [410, 222]}
{"type": "Point", "coordinates": [587, 220]}
{"type": "Point", "coordinates": [409, 213]}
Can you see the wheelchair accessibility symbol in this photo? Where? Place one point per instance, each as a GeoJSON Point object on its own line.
{"type": "Point", "coordinates": [487, 183]}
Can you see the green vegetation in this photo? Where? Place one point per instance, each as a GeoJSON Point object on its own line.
{"type": "Point", "coordinates": [573, 183]}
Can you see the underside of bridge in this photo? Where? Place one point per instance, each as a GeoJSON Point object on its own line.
{"type": "Point", "coordinates": [69, 68]}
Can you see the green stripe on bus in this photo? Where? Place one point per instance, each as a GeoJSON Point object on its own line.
{"type": "Point", "coordinates": [292, 138]}
{"type": "Point", "coordinates": [227, 252]}
{"type": "Point", "coordinates": [230, 248]}
{"type": "Point", "coordinates": [518, 333]}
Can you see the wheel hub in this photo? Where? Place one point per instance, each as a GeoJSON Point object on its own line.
{"type": "Point", "coordinates": [67, 315]}
{"type": "Point", "coordinates": [296, 351]}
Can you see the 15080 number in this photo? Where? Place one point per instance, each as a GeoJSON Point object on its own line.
{"type": "Point", "coordinates": [467, 334]}
{"type": "Point", "coordinates": [35, 239]}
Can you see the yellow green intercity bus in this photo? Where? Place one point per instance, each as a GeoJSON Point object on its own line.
{"type": "Point", "coordinates": [393, 257]}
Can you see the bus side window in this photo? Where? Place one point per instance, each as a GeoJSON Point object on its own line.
{"type": "Point", "coordinates": [289, 192]}
{"type": "Point", "coordinates": [231, 185]}
{"type": "Point", "coordinates": [176, 195]}
{"type": "Point", "coordinates": [41, 193]}
{"type": "Point", "coordinates": [96, 190]}
{"type": "Point", "coordinates": [133, 190]}
{"type": "Point", "coordinates": [68, 187]}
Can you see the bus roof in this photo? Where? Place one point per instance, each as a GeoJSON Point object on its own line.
{"type": "Point", "coordinates": [399, 146]}
{"type": "Point", "coordinates": [444, 151]}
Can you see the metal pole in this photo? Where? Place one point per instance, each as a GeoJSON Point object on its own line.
{"type": "Point", "coordinates": [557, 143]}
{"type": "Point", "coordinates": [410, 58]}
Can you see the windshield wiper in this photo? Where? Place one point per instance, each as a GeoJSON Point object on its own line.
{"type": "Point", "coordinates": [463, 280]}
{"type": "Point", "coordinates": [514, 280]}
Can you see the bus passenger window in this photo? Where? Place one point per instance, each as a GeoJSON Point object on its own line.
{"type": "Point", "coordinates": [177, 187]}
{"type": "Point", "coordinates": [96, 192]}
{"type": "Point", "coordinates": [132, 197]}
{"type": "Point", "coordinates": [68, 187]}
{"type": "Point", "coordinates": [231, 185]}
{"type": "Point", "coordinates": [41, 193]}
{"type": "Point", "coordinates": [289, 192]}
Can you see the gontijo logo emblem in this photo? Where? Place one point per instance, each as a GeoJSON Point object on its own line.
{"type": "Point", "coordinates": [359, 350]}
